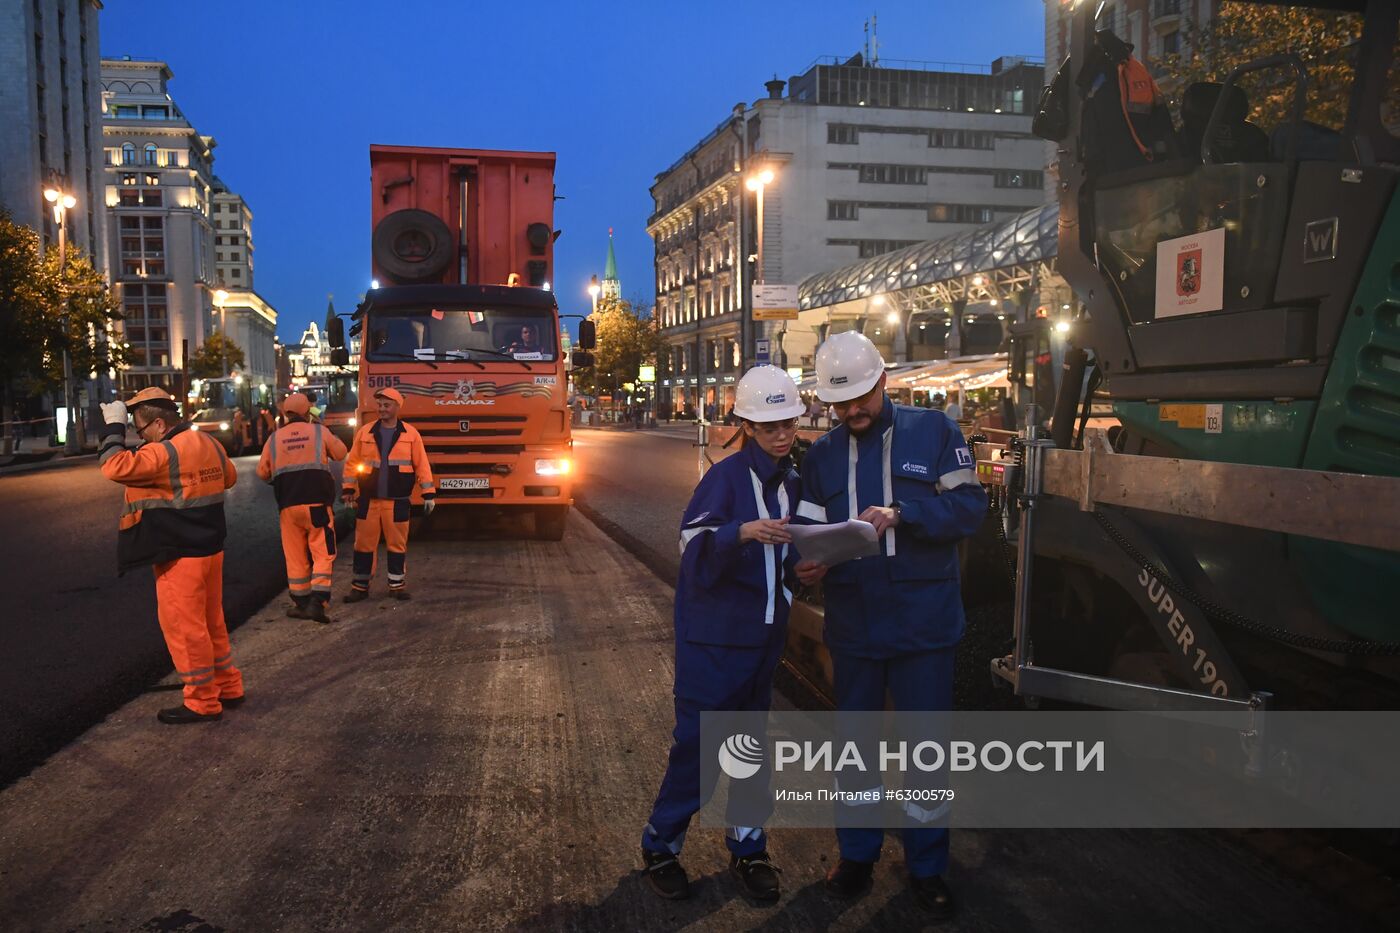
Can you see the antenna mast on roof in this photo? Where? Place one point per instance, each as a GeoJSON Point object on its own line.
{"type": "Point", "coordinates": [872, 42]}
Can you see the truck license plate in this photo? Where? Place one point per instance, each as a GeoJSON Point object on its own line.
{"type": "Point", "coordinates": [450, 482]}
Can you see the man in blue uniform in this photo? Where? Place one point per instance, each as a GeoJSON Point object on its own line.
{"type": "Point", "coordinates": [732, 603]}
{"type": "Point", "coordinates": [893, 620]}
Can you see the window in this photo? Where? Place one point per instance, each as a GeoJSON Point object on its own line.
{"type": "Point", "coordinates": [129, 197]}
{"type": "Point", "coordinates": [128, 178]}
{"type": "Point", "coordinates": [893, 174]}
{"type": "Point", "coordinates": [959, 213]}
{"type": "Point", "coordinates": [842, 134]}
{"type": "Point", "coordinates": [151, 197]}
{"type": "Point", "coordinates": [155, 268]}
{"type": "Point", "coordinates": [126, 112]}
{"type": "Point", "coordinates": [131, 223]}
{"type": "Point", "coordinates": [152, 179]}
{"type": "Point", "coordinates": [150, 154]}
{"type": "Point", "coordinates": [131, 245]}
{"type": "Point", "coordinates": [961, 139]}
{"type": "Point", "coordinates": [172, 159]}
{"type": "Point", "coordinates": [842, 210]}
{"type": "Point", "coordinates": [155, 113]}
{"type": "Point", "coordinates": [128, 154]}
{"type": "Point", "coordinates": [1015, 179]}
{"type": "Point", "coordinates": [238, 273]}
{"type": "Point", "coordinates": [1171, 42]}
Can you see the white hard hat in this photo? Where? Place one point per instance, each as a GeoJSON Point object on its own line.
{"type": "Point", "coordinates": [766, 393]}
{"type": "Point", "coordinates": [848, 366]}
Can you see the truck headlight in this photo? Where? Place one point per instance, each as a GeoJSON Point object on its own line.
{"type": "Point", "coordinates": [194, 427]}
{"type": "Point", "coordinates": [223, 425]}
{"type": "Point", "coordinates": [353, 422]}
{"type": "Point", "coordinates": [552, 467]}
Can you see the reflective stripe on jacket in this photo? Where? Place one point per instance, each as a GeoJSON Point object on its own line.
{"type": "Point", "coordinates": [730, 593]}
{"type": "Point", "coordinates": [407, 463]}
{"type": "Point", "coordinates": [174, 495]}
{"type": "Point", "coordinates": [907, 598]}
{"type": "Point", "coordinates": [296, 461]}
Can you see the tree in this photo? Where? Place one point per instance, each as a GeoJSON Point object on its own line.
{"type": "Point", "coordinates": [45, 310]}
{"type": "Point", "coordinates": [1242, 32]}
{"type": "Point", "coordinates": [626, 341]}
{"type": "Point", "coordinates": [208, 361]}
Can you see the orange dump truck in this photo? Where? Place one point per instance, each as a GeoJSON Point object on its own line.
{"type": "Point", "coordinates": [465, 326]}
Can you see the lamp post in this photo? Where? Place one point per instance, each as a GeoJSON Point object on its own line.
{"type": "Point", "coordinates": [61, 202]}
{"type": "Point", "coordinates": [756, 182]}
{"type": "Point", "coordinates": [221, 296]}
{"type": "Point", "coordinates": [594, 290]}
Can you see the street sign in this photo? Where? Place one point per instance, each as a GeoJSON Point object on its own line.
{"type": "Point", "coordinates": [761, 353]}
{"type": "Point", "coordinates": [647, 374]}
{"type": "Point", "coordinates": [775, 302]}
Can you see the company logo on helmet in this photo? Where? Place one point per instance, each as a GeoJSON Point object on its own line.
{"type": "Point", "coordinates": [838, 380]}
{"type": "Point", "coordinates": [778, 399]}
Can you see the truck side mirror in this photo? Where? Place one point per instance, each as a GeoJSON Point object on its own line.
{"type": "Point", "coordinates": [335, 333]}
{"type": "Point", "coordinates": [587, 335]}
{"type": "Point", "coordinates": [582, 359]}
{"type": "Point", "coordinates": [340, 356]}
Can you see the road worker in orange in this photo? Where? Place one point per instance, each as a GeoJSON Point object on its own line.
{"type": "Point", "coordinates": [296, 461]}
{"type": "Point", "coordinates": [386, 460]}
{"type": "Point", "coordinates": [174, 522]}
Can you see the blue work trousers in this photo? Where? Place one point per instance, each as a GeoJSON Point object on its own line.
{"type": "Point", "coordinates": [710, 678]}
{"type": "Point", "coordinates": [922, 681]}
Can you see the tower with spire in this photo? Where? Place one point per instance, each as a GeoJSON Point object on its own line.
{"type": "Point", "coordinates": [612, 286]}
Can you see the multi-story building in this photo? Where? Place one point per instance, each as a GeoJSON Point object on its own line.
{"type": "Point", "coordinates": [170, 213]}
{"type": "Point", "coordinates": [864, 160]}
{"type": "Point", "coordinates": [51, 108]}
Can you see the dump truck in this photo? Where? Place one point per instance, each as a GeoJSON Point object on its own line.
{"type": "Point", "coordinates": [465, 325]}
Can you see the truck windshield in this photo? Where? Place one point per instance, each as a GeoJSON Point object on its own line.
{"type": "Point", "coordinates": [222, 393]}
{"type": "Point", "coordinates": [460, 333]}
{"type": "Point", "coordinates": [344, 395]}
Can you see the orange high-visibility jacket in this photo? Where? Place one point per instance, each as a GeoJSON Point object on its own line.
{"type": "Point", "coordinates": [296, 461]}
{"type": "Point", "coordinates": [174, 495]}
{"type": "Point", "coordinates": [407, 462]}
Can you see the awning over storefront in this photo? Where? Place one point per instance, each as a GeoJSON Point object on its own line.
{"type": "Point", "coordinates": [981, 372]}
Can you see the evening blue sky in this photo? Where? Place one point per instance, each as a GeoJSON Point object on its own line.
{"type": "Point", "coordinates": [295, 92]}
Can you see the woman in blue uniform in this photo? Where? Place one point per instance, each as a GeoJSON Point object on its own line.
{"type": "Point", "coordinates": [732, 602]}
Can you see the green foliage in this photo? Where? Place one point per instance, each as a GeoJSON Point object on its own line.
{"type": "Point", "coordinates": [208, 361]}
{"type": "Point", "coordinates": [1242, 32]}
{"type": "Point", "coordinates": [45, 309]}
{"type": "Point", "coordinates": [626, 341]}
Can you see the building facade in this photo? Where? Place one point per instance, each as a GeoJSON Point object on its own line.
{"type": "Point", "coordinates": [865, 160]}
{"type": "Point", "coordinates": [51, 108]}
{"type": "Point", "coordinates": [178, 234]}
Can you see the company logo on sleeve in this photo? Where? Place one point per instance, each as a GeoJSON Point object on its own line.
{"type": "Point", "coordinates": [919, 468]}
{"type": "Point", "coordinates": [964, 457]}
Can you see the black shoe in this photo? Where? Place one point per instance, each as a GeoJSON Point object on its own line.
{"type": "Point", "coordinates": [757, 876]}
{"type": "Point", "coordinates": [401, 594]}
{"type": "Point", "coordinates": [297, 612]}
{"type": "Point", "coordinates": [665, 875]}
{"type": "Point", "coordinates": [934, 897]}
{"type": "Point", "coordinates": [356, 595]}
{"type": "Point", "coordinates": [232, 702]}
{"type": "Point", "coordinates": [317, 611]}
{"type": "Point", "coordinates": [182, 715]}
{"type": "Point", "coordinates": [849, 880]}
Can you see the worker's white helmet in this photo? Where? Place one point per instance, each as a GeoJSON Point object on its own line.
{"type": "Point", "coordinates": [766, 393]}
{"type": "Point", "coordinates": [848, 366]}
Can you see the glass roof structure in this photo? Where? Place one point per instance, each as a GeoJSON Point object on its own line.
{"type": "Point", "coordinates": [986, 263]}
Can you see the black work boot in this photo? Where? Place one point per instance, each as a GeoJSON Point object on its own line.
{"type": "Point", "coordinates": [183, 715]}
{"type": "Point", "coordinates": [232, 702]}
{"type": "Point", "coordinates": [356, 595]}
{"type": "Point", "coordinates": [757, 876]}
{"type": "Point", "coordinates": [849, 880]}
{"type": "Point", "coordinates": [297, 611]}
{"type": "Point", "coordinates": [934, 897]}
{"type": "Point", "coordinates": [317, 610]}
{"type": "Point", "coordinates": [665, 875]}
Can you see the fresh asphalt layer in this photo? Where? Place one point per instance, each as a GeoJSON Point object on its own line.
{"type": "Point", "coordinates": [483, 757]}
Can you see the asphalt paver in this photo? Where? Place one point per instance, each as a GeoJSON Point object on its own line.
{"type": "Point", "coordinates": [483, 757]}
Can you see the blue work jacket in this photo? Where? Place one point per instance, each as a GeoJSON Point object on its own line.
{"type": "Point", "coordinates": [907, 598]}
{"type": "Point", "coordinates": [734, 594]}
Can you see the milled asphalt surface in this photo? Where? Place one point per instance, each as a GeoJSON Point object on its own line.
{"type": "Point", "coordinates": [76, 640]}
{"type": "Point", "coordinates": [484, 756]}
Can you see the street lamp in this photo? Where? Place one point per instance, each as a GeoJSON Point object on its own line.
{"type": "Point", "coordinates": [594, 290]}
{"type": "Point", "coordinates": [756, 182]}
{"type": "Point", "coordinates": [62, 202]}
{"type": "Point", "coordinates": [221, 296]}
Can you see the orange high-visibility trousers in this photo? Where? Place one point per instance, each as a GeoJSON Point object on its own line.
{"type": "Point", "coordinates": [308, 528]}
{"type": "Point", "coordinates": [375, 517]}
{"type": "Point", "coordinates": [190, 605]}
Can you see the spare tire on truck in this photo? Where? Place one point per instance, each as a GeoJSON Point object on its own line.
{"type": "Point", "coordinates": [412, 245]}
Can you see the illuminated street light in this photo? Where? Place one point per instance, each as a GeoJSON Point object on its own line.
{"type": "Point", "coordinates": [373, 283]}
{"type": "Point", "coordinates": [594, 289]}
{"type": "Point", "coordinates": [1062, 327]}
{"type": "Point", "coordinates": [62, 202]}
{"type": "Point", "coordinates": [877, 300]}
{"type": "Point", "coordinates": [221, 296]}
{"type": "Point", "coordinates": [893, 317]}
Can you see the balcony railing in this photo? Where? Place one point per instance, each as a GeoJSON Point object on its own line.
{"type": "Point", "coordinates": [1165, 8]}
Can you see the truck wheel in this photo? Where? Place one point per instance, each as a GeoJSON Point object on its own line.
{"type": "Point", "coordinates": [550, 521]}
{"type": "Point", "coordinates": [412, 245]}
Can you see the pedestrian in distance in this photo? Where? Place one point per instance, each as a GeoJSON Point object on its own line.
{"type": "Point", "coordinates": [814, 412]}
{"type": "Point", "coordinates": [733, 597]}
{"type": "Point", "coordinates": [174, 523]}
{"type": "Point", "coordinates": [296, 461]}
{"type": "Point", "coordinates": [385, 462]}
{"type": "Point", "coordinates": [892, 620]}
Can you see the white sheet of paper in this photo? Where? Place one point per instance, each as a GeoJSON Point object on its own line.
{"type": "Point", "coordinates": [834, 544]}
